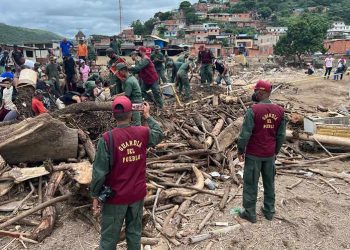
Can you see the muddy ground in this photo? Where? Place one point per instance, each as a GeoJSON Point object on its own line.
{"type": "Point", "coordinates": [309, 216]}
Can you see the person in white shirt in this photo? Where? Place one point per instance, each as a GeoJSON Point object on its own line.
{"type": "Point", "coordinates": [7, 106]}
{"type": "Point", "coordinates": [329, 65]}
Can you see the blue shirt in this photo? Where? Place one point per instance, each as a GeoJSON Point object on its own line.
{"type": "Point", "coordinates": [8, 75]}
{"type": "Point", "coordinates": [65, 46]}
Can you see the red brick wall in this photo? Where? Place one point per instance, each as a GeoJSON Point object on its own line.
{"type": "Point", "coordinates": [337, 46]}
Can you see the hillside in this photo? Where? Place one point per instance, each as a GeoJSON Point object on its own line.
{"type": "Point", "coordinates": [17, 35]}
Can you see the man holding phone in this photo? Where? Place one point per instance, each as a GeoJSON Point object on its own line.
{"type": "Point", "coordinates": [120, 166]}
{"type": "Point", "coordinates": [132, 90]}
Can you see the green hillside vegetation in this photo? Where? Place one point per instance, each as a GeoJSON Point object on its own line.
{"type": "Point", "coordinates": [17, 35]}
{"type": "Point", "coordinates": [273, 12]}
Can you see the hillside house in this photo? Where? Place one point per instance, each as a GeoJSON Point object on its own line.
{"type": "Point", "coordinates": [42, 49]}
{"type": "Point", "coordinates": [277, 30]}
{"type": "Point", "coordinates": [339, 30]}
{"type": "Point", "coordinates": [127, 34]}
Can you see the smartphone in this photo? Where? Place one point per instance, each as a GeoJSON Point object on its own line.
{"type": "Point", "coordinates": [137, 107]}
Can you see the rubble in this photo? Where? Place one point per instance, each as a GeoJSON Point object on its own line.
{"type": "Point", "coordinates": [200, 139]}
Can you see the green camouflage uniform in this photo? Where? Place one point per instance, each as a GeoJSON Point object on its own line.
{"type": "Point", "coordinates": [206, 69]}
{"type": "Point", "coordinates": [154, 87]}
{"type": "Point", "coordinates": [183, 81]}
{"type": "Point", "coordinates": [52, 72]}
{"type": "Point", "coordinates": [256, 165]}
{"type": "Point", "coordinates": [113, 216]}
{"type": "Point", "coordinates": [159, 65]}
{"type": "Point", "coordinates": [132, 89]}
{"type": "Point", "coordinates": [114, 80]}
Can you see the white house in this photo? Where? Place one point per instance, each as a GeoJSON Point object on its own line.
{"type": "Point", "coordinates": [339, 29]}
{"type": "Point", "coordinates": [277, 30]}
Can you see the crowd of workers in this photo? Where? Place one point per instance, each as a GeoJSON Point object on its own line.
{"type": "Point", "coordinates": [118, 186]}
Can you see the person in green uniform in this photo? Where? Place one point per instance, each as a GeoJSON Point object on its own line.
{"type": "Point", "coordinates": [148, 76]}
{"type": "Point", "coordinates": [174, 66]}
{"type": "Point", "coordinates": [158, 60]}
{"type": "Point", "coordinates": [261, 138]}
{"type": "Point", "coordinates": [132, 90]}
{"type": "Point", "coordinates": [182, 78]}
{"type": "Point", "coordinates": [52, 72]}
{"type": "Point", "coordinates": [183, 57]}
{"type": "Point", "coordinates": [206, 59]}
{"type": "Point", "coordinates": [113, 79]}
{"type": "Point", "coordinates": [115, 45]}
{"type": "Point", "coordinates": [120, 166]}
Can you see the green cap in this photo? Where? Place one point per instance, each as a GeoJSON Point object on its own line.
{"type": "Point", "coordinates": [89, 86]}
{"type": "Point", "coordinates": [121, 66]}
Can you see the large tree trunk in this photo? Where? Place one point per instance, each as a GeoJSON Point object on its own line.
{"type": "Point", "coordinates": [38, 139]}
{"type": "Point", "coordinates": [85, 106]}
{"type": "Point", "coordinates": [324, 139]}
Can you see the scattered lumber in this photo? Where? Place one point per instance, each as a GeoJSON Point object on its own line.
{"type": "Point", "coordinates": [324, 139]}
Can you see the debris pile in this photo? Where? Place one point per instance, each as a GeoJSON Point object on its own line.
{"type": "Point", "coordinates": [49, 160]}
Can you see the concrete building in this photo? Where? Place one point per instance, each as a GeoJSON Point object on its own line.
{"type": "Point", "coordinates": [42, 49]}
{"type": "Point", "coordinates": [277, 30]}
{"type": "Point", "coordinates": [339, 30]}
{"type": "Point", "coordinates": [29, 52]}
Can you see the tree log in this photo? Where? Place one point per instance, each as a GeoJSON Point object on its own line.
{"type": "Point", "coordinates": [169, 217]}
{"type": "Point", "coordinates": [38, 139]}
{"type": "Point", "coordinates": [308, 163]}
{"type": "Point", "coordinates": [171, 230]}
{"type": "Point", "coordinates": [329, 174]}
{"type": "Point", "coordinates": [216, 130]}
{"type": "Point", "coordinates": [88, 145]}
{"type": "Point", "coordinates": [172, 192]}
{"type": "Point", "coordinates": [204, 221]}
{"type": "Point", "coordinates": [199, 119]}
{"type": "Point", "coordinates": [49, 213]}
{"type": "Point", "coordinates": [83, 107]}
{"type": "Point", "coordinates": [324, 139]}
{"type": "Point", "coordinates": [33, 210]}
{"type": "Point", "coordinates": [224, 198]}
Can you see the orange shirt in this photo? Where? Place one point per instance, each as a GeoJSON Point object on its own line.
{"type": "Point", "coordinates": [82, 50]}
{"type": "Point", "coordinates": [38, 106]}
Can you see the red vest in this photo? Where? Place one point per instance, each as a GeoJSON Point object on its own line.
{"type": "Point", "coordinates": [149, 74]}
{"type": "Point", "coordinates": [267, 119]}
{"type": "Point", "coordinates": [127, 177]}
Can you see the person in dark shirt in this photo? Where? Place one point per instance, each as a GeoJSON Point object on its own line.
{"type": "Point", "coordinates": [17, 54]}
{"type": "Point", "coordinates": [69, 70]}
{"type": "Point", "coordinates": [69, 98]}
{"type": "Point", "coordinates": [222, 69]}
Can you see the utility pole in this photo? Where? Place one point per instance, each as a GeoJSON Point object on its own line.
{"type": "Point", "coordinates": [120, 16]}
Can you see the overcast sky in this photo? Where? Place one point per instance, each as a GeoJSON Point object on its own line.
{"type": "Point", "coordinates": [65, 17]}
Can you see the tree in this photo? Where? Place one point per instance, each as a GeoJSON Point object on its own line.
{"type": "Point", "coordinates": [185, 5]}
{"type": "Point", "coordinates": [304, 35]}
{"type": "Point", "coordinates": [138, 27]}
{"type": "Point", "coordinates": [216, 10]}
{"type": "Point", "coordinates": [149, 25]}
{"type": "Point", "coordinates": [265, 12]}
{"type": "Point", "coordinates": [164, 15]}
